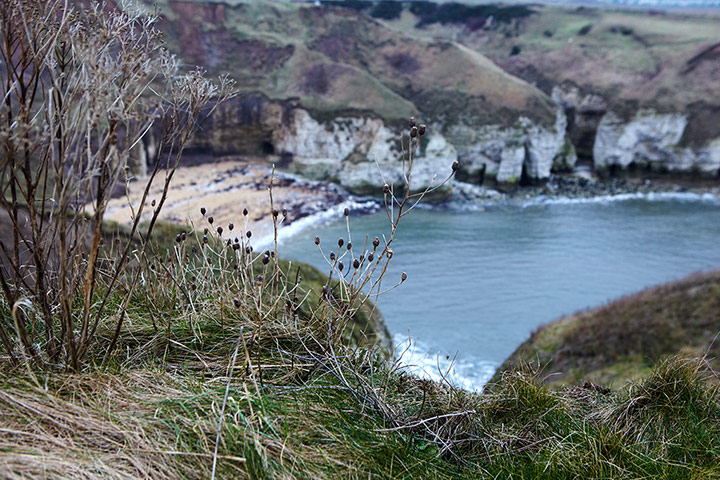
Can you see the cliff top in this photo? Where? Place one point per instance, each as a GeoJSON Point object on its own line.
{"type": "Point", "coordinates": [621, 341]}
{"type": "Point", "coordinates": [338, 61]}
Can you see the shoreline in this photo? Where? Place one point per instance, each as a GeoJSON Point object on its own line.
{"type": "Point", "coordinates": [228, 185]}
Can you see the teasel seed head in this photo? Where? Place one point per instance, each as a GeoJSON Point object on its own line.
{"type": "Point", "coordinates": [202, 211]}
{"type": "Point", "coordinates": [349, 246]}
{"type": "Point", "coordinates": [317, 240]}
{"type": "Point", "coordinates": [152, 204]}
{"type": "Point", "coordinates": [412, 122]}
{"type": "Point", "coordinates": [230, 226]}
{"type": "Point", "coordinates": [386, 188]}
{"type": "Point", "coordinates": [340, 265]}
{"type": "Point", "coordinates": [248, 234]}
{"type": "Point", "coordinates": [356, 264]}
{"type": "Point", "coordinates": [421, 130]}
{"type": "Point", "coordinates": [376, 242]}
{"type": "Point", "coordinates": [332, 256]}
{"type": "Point", "coordinates": [413, 132]}
{"type": "Point", "coordinates": [284, 212]}
{"type": "Point", "coordinates": [265, 260]}
{"type": "Point", "coordinates": [219, 230]}
{"type": "Point", "coordinates": [178, 239]}
{"type": "Point", "coordinates": [205, 239]}
{"type": "Point", "coordinates": [275, 213]}
{"type": "Point", "coordinates": [211, 220]}
{"type": "Point", "coordinates": [389, 253]}
{"type": "Point", "coordinates": [248, 250]}
{"type": "Point", "coordinates": [341, 242]}
{"type": "Point", "coordinates": [403, 277]}
{"type": "Point", "coordinates": [237, 302]}
{"type": "Point", "coordinates": [245, 212]}
{"type": "Point", "coordinates": [205, 231]}
{"type": "Point", "coordinates": [455, 166]}
{"type": "Point", "coordinates": [347, 211]}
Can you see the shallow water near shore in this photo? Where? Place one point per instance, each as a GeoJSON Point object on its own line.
{"type": "Point", "coordinates": [481, 279]}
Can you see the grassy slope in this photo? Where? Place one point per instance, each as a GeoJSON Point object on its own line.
{"type": "Point", "coordinates": [667, 61]}
{"type": "Point", "coordinates": [337, 61]}
{"type": "Point", "coordinates": [622, 340]}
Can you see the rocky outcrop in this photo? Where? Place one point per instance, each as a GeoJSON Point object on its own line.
{"type": "Point", "coordinates": [522, 153]}
{"type": "Point", "coordinates": [651, 142]}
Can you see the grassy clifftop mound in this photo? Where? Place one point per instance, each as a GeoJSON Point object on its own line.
{"type": "Point", "coordinates": [623, 339]}
{"type": "Point", "coordinates": [338, 61]}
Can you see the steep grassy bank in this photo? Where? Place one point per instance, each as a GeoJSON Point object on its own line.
{"type": "Point", "coordinates": [623, 339]}
{"type": "Point", "coordinates": [291, 410]}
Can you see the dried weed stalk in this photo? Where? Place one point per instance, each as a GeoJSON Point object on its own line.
{"type": "Point", "coordinates": [82, 92]}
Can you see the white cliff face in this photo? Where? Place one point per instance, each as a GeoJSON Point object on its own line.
{"type": "Point", "coordinates": [500, 153]}
{"type": "Point", "coordinates": [361, 154]}
{"type": "Point", "coordinates": [649, 139]}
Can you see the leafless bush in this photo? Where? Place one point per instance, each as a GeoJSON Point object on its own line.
{"type": "Point", "coordinates": [80, 89]}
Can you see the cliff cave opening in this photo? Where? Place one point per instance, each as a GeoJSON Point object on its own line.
{"type": "Point", "coordinates": [267, 148]}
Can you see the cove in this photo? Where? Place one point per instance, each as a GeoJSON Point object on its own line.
{"type": "Point", "coordinates": [480, 280]}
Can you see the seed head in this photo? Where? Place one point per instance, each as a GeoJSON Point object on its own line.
{"type": "Point", "coordinates": [332, 256]}
{"type": "Point", "coordinates": [230, 226]}
{"type": "Point", "coordinates": [412, 121]}
{"type": "Point", "coordinates": [205, 231]}
{"type": "Point", "coordinates": [245, 211]}
{"type": "Point", "coordinates": [248, 250]}
{"type": "Point", "coordinates": [455, 166]}
{"type": "Point", "coordinates": [421, 130]}
{"type": "Point", "coordinates": [341, 242]}
{"type": "Point", "coordinates": [347, 211]}
{"type": "Point", "coordinates": [389, 253]}
{"type": "Point", "coordinates": [194, 249]}
{"type": "Point", "coordinates": [266, 260]}
{"type": "Point", "coordinates": [219, 230]}
{"type": "Point", "coordinates": [152, 204]}
{"type": "Point", "coordinates": [237, 240]}
{"type": "Point", "coordinates": [349, 246]}
{"type": "Point", "coordinates": [237, 302]}
{"type": "Point", "coordinates": [284, 212]}
{"type": "Point", "coordinates": [403, 277]}
{"type": "Point", "coordinates": [248, 234]}
{"type": "Point", "coordinates": [183, 235]}
{"type": "Point", "coordinates": [202, 211]}
{"type": "Point", "coordinates": [317, 240]}
{"type": "Point", "coordinates": [205, 240]}
{"type": "Point", "coordinates": [356, 264]}
{"type": "Point", "coordinates": [275, 213]}
{"type": "Point", "coordinates": [324, 290]}
{"type": "Point", "coordinates": [376, 242]}
{"type": "Point", "coordinates": [211, 220]}
{"type": "Point", "coordinates": [178, 238]}
{"type": "Point", "coordinates": [413, 132]}
{"type": "Point", "coordinates": [340, 266]}
{"type": "Point", "coordinates": [236, 246]}
{"type": "Point", "coordinates": [386, 188]}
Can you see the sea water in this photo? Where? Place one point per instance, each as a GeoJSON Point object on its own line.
{"type": "Point", "coordinates": [482, 278]}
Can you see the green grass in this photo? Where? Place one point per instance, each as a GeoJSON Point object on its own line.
{"type": "Point", "coordinates": [303, 402]}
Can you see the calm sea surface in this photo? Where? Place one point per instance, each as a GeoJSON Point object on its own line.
{"type": "Point", "coordinates": [480, 281]}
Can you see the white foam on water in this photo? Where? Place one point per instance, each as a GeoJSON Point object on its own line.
{"type": "Point", "coordinates": [478, 198]}
{"type": "Point", "coordinates": [623, 197]}
{"type": "Point", "coordinates": [309, 222]}
{"type": "Point", "coordinates": [461, 371]}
